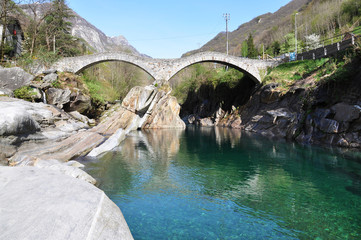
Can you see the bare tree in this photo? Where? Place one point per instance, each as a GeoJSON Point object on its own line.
{"type": "Point", "coordinates": [38, 11]}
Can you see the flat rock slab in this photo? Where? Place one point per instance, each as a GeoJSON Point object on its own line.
{"type": "Point", "coordinates": [44, 204]}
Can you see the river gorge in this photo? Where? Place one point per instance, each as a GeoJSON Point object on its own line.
{"type": "Point", "coordinates": [215, 178]}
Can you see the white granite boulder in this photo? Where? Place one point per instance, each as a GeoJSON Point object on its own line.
{"type": "Point", "coordinates": [45, 204]}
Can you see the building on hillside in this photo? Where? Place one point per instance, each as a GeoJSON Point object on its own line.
{"type": "Point", "coordinates": [13, 38]}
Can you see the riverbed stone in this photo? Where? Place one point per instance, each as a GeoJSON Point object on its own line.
{"type": "Point", "coordinates": [76, 115]}
{"type": "Point", "coordinates": [139, 99]}
{"type": "Point", "coordinates": [45, 204]}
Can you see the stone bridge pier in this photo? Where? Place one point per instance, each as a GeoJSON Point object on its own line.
{"type": "Point", "coordinates": [165, 69]}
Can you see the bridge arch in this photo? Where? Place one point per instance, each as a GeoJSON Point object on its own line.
{"type": "Point", "coordinates": [246, 66]}
{"type": "Point", "coordinates": [165, 69]}
{"type": "Point", "coordinates": [78, 64]}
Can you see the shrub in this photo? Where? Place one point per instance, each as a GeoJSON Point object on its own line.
{"type": "Point", "coordinates": [26, 93]}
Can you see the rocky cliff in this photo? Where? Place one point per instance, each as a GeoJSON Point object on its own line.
{"type": "Point", "coordinates": [95, 38]}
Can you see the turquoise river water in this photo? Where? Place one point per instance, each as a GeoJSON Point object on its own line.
{"type": "Point", "coordinates": [215, 183]}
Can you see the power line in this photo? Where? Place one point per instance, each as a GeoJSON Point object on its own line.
{"type": "Point", "coordinates": [169, 38]}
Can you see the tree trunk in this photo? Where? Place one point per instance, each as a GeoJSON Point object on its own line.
{"type": "Point", "coordinates": [47, 39]}
{"type": "Point", "coordinates": [54, 44]}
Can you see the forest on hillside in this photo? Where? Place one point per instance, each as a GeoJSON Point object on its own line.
{"type": "Point", "coordinates": [316, 21]}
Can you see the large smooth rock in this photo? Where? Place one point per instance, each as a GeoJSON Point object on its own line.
{"type": "Point", "coordinates": [165, 114]}
{"type": "Point", "coordinates": [45, 204]}
{"type": "Point", "coordinates": [149, 107]}
{"type": "Point", "coordinates": [82, 118]}
{"type": "Point", "coordinates": [14, 78]}
{"type": "Point", "coordinates": [43, 114]}
{"type": "Point", "coordinates": [139, 99]}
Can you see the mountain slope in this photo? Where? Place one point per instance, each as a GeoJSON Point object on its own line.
{"type": "Point", "coordinates": [97, 39]}
{"type": "Point", "coordinates": [81, 28]}
{"type": "Point", "coordinates": [261, 27]}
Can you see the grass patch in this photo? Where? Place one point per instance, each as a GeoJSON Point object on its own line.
{"type": "Point", "coordinates": [289, 73]}
{"type": "Point", "coordinates": [325, 70]}
{"type": "Point", "coordinates": [100, 91]}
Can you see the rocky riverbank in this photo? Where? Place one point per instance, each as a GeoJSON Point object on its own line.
{"type": "Point", "coordinates": [310, 112]}
{"type": "Point", "coordinates": [46, 137]}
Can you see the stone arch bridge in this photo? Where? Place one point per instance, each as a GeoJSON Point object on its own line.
{"type": "Point", "coordinates": [165, 69]}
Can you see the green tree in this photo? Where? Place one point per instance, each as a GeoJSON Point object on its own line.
{"type": "Point", "coordinates": [252, 51]}
{"type": "Point", "coordinates": [351, 10]}
{"type": "Point", "coordinates": [57, 28]}
{"type": "Point", "coordinates": [276, 48]}
{"type": "Point", "coordinates": [244, 49]}
{"type": "Point", "coordinates": [288, 44]}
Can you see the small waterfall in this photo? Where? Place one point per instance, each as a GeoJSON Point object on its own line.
{"type": "Point", "coordinates": [43, 96]}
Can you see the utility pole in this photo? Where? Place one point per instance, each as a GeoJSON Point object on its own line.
{"type": "Point", "coordinates": [227, 18]}
{"type": "Point", "coordinates": [296, 34]}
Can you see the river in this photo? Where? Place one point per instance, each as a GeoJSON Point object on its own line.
{"type": "Point", "coordinates": [217, 183]}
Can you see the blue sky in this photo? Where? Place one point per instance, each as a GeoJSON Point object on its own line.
{"type": "Point", "coordinates": [167, 29]}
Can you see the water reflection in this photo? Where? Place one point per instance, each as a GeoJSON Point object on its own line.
{"type": "Point", "coordinates": [217, 182]}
